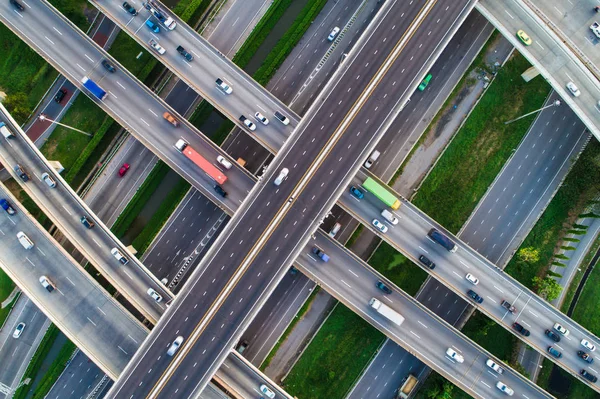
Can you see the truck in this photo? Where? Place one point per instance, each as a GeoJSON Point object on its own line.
{"type": "Point", "coordinates": [224, 86]}
{"type": "Point", "coordinates": [93, 88]}
{"type": "Point", "coordinates": [386, 311]}
{"type": "Point", "coordinates": [382, 193]}
{"type": "Point", "coordinates": [408, 386]}
{"type": "Point", "coordinates": [160, 14]}
{"type": "Point", "coordinates": [201, 162]}
{"type": "Point", "coordinates": [595, 27]}
{"type": "Point", "coordinates": [442, 240]}
{"type": "Point", "coordinates": [321, 254]}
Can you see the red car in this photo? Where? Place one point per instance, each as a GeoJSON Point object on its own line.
{"type": "Point", "coordinates": [123, 169]}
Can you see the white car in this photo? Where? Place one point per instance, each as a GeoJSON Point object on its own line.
{"type": "Point", "coordinates": [588, 345]}
{"type": "Point", "coordinates": [175, 345]}
{"type": "Point", "coordinates": [333, 34]}
{"type": "Point", "coordinates": [494, 366]}
{"type": "Point", "coordinates": [155, 295]}
{"type": "Point", "coordinates": [452, 354]}
{"type": "Point", "coordinates": [267, 392]}
{"type": "Point", "coordinates": [48, 180]}
{"type": "Point", "coordinates": [119, 256]}
{"type": "Point", "coordinates": [573, 89]}
{"type": "Point", "coordinates": [505, 388]}
{"type": "Point", "coordinates": [261, 118]}
{"type": "Point", "coordinates": [282, 175]}
{"type": "Point", "coordinates": [561, 329]}
{"type": "Point", "coordinates": [380, 226]}
{"type": "Point", "coordinates": [157, 47]}
{"type": "Point", "coordinates": [19, 330]}
{"type": "Point", "coordinates": [249, 124]}
{"type": "Point", "coordinates": [224, 162]}
{"type": "Point", "coordinates": [472, 279]}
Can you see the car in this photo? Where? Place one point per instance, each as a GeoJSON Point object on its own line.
{"type": "Point", "coordinates": [588, 376]}
{"type": "Point", "coordinates": [525, 332]}
{"type": "Point", "coordinates": [506, 305]}
{"type": "Point", "coordinates": [588, 345]}
{"type": "Point", "coordinates": [220, 190]}
{"type": "Point", "coordinates": [472, 279]}
{"type": "Point", "coordinates": [153, 27]}
{"type": "Point", "coordinates": [108, 66]}
{"type": "Point", "coordinates": [261, 118]}
{"type": "Point", "coordinates": [46, 283]}
{"type": "Point", "coordinates": [552, 335]}
{"type": "Point", "coordinates": [425, 260]}
{"type": "Point", "coordinates": [267, 392]}
{"type": "Point", "coordinates": [504, 388]}
{"type": "Point", "coordinates": [383, 287]}
{"type": "Point", "coordinates": [452, 354]}
{"type": "Point", "coordinates": [425, 82]}
{"type": "Point", "coordinates": [60, 95]}
{"type": "Point", "coordinates": [18, 330]}
{"type": "Point", "coordinates": [356, 193]}
{"type": "Point", "coordinates": [7, 206]}
{"type": "Point", "coordinates": [333, 34]}
{"type": "Point", "coordinates": [24, 240]}
{"type": "Point", "coordinates": [573, 89]}
{"type": "Point", "coordinates": [281, 177]}
{"type": "Point", "coordinates": [87, 222]}
{"type": "Point", "coordinates": [123, 169]}
{"type": "Point", "coordinates": [585, 356]}
{"type": "Point", "coordinates": [473, 295]}
{"type": "Point", "coordinates": [17, 5]}
{"type": "Point", "coordinates": [157, 47]}
{"type": "Point", "coordinates": [554, 352]}
{"type": "Point", "coordinates": [293, 271]}
{"type": "Point", "coordinates": [242, 347]}
{"type": "Point", "coordinates": [524, 37]}
{"type": "Point", "coordinates": [282, 118]}
{"type": "Point", "coordinates": [380, 226]}
{"type": "Point", "coordinates": [249, 124]}
{"type": "Point", "coordinates": [155, 295]}
{"type": "Point", "coordinates": [127, 7]}
{"type": "Point", "coordinates": [561, 329]}
{"type": "Point", "coordinates": [48, 180]}
{"type": "Point", "coordinates": [175, 345]}
{"type": "Point", "coordinates": [185, 54]}
{"type": "Point", "coordinates": [21, 172]}
{"type": "Point", "coordinates": [119, 256]}
{"type": "Point", "coordinates": [494, 366]}
{"type": "Point", "coordinates": [224, 162]}
{"type": "Point", "coordinates": [171, 119]}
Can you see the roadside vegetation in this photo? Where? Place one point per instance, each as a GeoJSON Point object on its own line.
{"type": "Point", "coordinates": [399, 269]}
{"type": "Point", "coordinates": [75, 11]}
{"type": "Point", "coordinates": [56, 368]}
{"type": "Point", "coordinates": [6, 287]}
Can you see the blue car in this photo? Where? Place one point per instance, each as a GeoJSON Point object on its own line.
{"type": "Point", "coordinates": [153, 27]}
{"type": "Point", "coordinates": [356, 192]}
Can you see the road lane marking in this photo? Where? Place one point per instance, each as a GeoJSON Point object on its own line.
{"type": "Point", "coordinates": [349, 286]}
{"type": "Point", "coordinates": [412, 332]}
{"type": "Point", "coordinates": [498, 289]}
{"type": "Point", "coordinates": [97, 243]}
{"type": "Point", "coordinates": [67, 210]}
{"type": "Point", "coordinates": [533, 313]}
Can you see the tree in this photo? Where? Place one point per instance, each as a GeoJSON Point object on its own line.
{"type": "Point", "coordinates": [447, 391]}
{"type": "Point", "coordinates": [529, 255]}
{"type": "Point", "coordinates": [547, 287]}
{"type": "Point", "coordinates": [17, 105]}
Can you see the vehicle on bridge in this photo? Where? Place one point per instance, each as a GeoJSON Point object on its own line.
{"type": "Point", "coordinates": [442, 240]}
{"type": "Point", "coordinates": [201, 162]}
{"type": "Point", "coordinates": [409, 384]}
{"type": "Point", "coordinates": [7, 207]}
{"type": "Point", "coordinates": [382, 193]}
{"type": "Point", "coordinates": [6, 131]}
{"type": "Point", "coordinates": [96, 90]}
{"type": "Point", "coordinates": [386, 311]}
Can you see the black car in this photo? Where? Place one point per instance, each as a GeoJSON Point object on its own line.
{"type": "Point", "coordinates": [425, 260]}
{"type": "Point", "coordinates": [588, 376]}
{"type": "Point", "coordinates": [17, 5]}
{"type": "Point", "coordinates": [21, 172]}
{"type": "Point", "coordinates": [108, 66]}
{"type": "Point", "coordinates": [184, 53]}
{"type": "Point", "coordinates": [585, 356]}
{"type": "Point", "coordinates": [383, 287]}
{"type": "Point", "coordinates": [60, 95]}
{"type": "Point", "coordinates": [552, 335]}
{"type": "Point", "coordinates": [130, 9]}
{"type": "Point", "coordinates": [473, 295]}
{"type": "Point", "coordinates": [521, 329]}
{"type": "Point", "coordinates": [220, 191]}
{"type": "Point", "coordinates": [552, 350]}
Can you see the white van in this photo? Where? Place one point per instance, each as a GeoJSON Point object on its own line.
{"type": "Point", "coordinates": [374, 156]}
{"type": "Point", "coordinates": [119, 256]}
{"type": "Point", "coordinates": [48, 180]}
{"type": "Point", "coordinates": [389, 216]}
{"type": "Point", "coordinates": [5, 131]}
{"type": "Point", "coordinates": [24, 240]}
{"type": "Point", "coordinates": [334, 230]}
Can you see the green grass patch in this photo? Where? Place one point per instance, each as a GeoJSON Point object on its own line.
{"type": "Point", "coordinates": [399, 269]}
{"type": "Point", "coordinates": [354, 236]}
{"type": "Point", "coordinates": [490, 335]}
{"type": "Point", "coordinates": [4, 312]}
{"type": "Point", "coordinates": [570, 386]}
{"type": "Point", "coordinates": [191, 10]}
{"type": "Point", "coordinates": [75, 11]}
{"type": "Point", "coordinates": [290, 328]}
{"type": "Point", "coordinates": [581, 186]}
{"type": "Point", "coordinates": [28, 203]}
{"type": "Point", "coordinates": [335, 358]}
{"type": "Point", "coordinates": [6, 286]}
{"type": "Point", "coordinates": [481, 147]}
{"type": "Point", "coordinates": [56, 368]}
{"type": "Point", "coordinates": [587, 311]}
{"type": "Point", "coordinates": [577, 278]}
{"type": "Point", "coordinates": [126, 50]}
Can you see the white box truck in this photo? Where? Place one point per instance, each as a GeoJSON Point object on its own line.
{"type": "Point", "coordinates": [386, 311]}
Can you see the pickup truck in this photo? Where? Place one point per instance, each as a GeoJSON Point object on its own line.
{"type": "Point", "coordinates": [184, 53]}
{"type": "Point", "coordinates": [506, 305]}
{"type": "Point", "coordinates": [595, 27]}
{"type": "Point", "coordinates": [322, 255]}
{"type": "Point", "coordinates": [224, 86]}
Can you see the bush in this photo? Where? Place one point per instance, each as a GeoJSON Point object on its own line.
{"type": "Point", "coordinates": [569, 239]}
{"type": "Point", "coordinates": [568, 248]}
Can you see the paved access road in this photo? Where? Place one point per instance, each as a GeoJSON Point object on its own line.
{"type": "Point", "coordinates": [128, 101]}
{"type": "Point", "coordinates": [327, 150]}
{"type": "Point", "coordinates": [84, 311]}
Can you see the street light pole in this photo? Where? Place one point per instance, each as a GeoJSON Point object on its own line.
{"type": "Point", "coordinates": [45, 118]}
{"type": "Point", "coordinates": [555, 103]}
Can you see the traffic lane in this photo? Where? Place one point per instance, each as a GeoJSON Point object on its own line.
{"type": "Point", "coordinates": [247, 95]}
{"type": "Point", "coordinates": [65, 210]}
{"type": "Point", "coordinates": [76, 294]}
{"type": "Point", "coordinates": [128, 97]}
{"type": "Point", "coordinates": [421, 332]}
{"type": "Point", "coordinates": [244, 379]}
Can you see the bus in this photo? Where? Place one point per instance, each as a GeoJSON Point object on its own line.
{"type": "Point", "coordinates": [382, 193]}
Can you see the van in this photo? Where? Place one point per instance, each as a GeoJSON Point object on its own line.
{"type": "Point", "coordinates": [24, 240]}
{"type": "Point", "coordinates": [282, 118]}
{"type": "Point", "coordinates": [334, 230]}
{"type": "Point", "coordinates": [119, 256]}
{"type": "Point", "coordinates": [389, 216]}
{"type": "Point", "coordinates": [374, 156]}
{"type": "Point", "coordinates": [5, 132]}
{"type": "Point", "coordinates": [48, 180]}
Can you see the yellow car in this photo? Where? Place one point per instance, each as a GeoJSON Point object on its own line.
{"type": "Point", "coordinates": [524, 37]}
